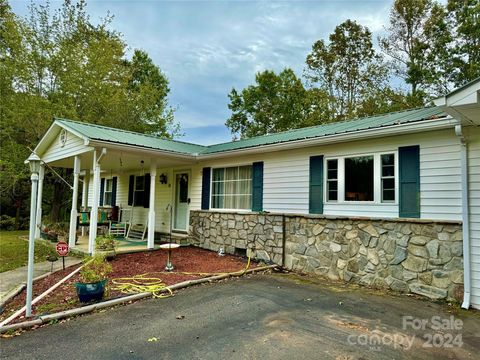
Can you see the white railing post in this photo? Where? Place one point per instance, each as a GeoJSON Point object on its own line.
{"type": "Point", "coordinates": [95, 200]}
{"type": "Point", "coordinates": [31, 244]}
{"type": "Point", "coordinates": [74, 212]}
{"type": "Point", "coordinates": [151, 209]}
{"type": "Point", "coordinates": [86, 180]}
{"type": "Point", "coordinates": [41, 176]}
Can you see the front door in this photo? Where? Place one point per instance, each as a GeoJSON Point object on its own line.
{"type": "Point", "coordinates": [182, 201]}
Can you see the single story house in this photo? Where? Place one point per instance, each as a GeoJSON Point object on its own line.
{"type": "Point", "coordinates": [391, 201]}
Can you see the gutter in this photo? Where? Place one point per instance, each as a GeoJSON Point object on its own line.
{"type": "Point", "coordinates": [407, 128]}
{"type": "Point", "coordinates": [465, 218]}
{"type": "Point", "coordinates": [141, 149]}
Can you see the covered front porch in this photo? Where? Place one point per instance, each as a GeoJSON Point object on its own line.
{"type": "Point", "coordinates": [136, 194]}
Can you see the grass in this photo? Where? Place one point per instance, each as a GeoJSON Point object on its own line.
{"type": "Point", "coordinates": [14, 251]}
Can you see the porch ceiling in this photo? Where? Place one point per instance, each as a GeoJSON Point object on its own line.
{"type": "Point", "coordinates": [120, 161]}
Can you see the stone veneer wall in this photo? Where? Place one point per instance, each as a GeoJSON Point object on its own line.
{"type": "Point", "coordinates": [417, 256]}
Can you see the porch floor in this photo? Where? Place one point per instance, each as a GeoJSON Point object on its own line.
{"type": "Point", "coordinates": [124, 246]}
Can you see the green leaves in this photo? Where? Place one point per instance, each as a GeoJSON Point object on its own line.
{"type": "Point", "coordinates": [275, 103]}
{"type": "Point", "coordinates": [434, 48]}
{"type": "Point", "coordinates": [347, 68]}
{"type": "Point", "coordinates": [57, 63]}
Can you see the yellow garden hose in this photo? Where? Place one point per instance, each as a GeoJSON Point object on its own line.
{"type": "Point", "coordinates": [155, 285]}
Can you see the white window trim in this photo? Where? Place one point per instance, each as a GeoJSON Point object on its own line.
{"type": "Point", "coordinates": [377, 181]}
{"type": "Point", "coordinates": [105, 192]}
{"type": "Point", "coordinates": [211, 207]}
{"type": "Point", "coordinates": [135, 187]}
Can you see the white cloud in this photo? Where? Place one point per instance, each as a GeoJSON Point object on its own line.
{"type": "Point", "coordinates": [206, 48]}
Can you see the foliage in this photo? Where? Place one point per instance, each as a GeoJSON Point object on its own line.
{"type": "Point", "coordinates": [14, 251]}
{"type": "Point", "coordinates": [464, 22]}
{"type": "Point", "coordinates": [96, 268]}
{"type": "Point", "coordinates": [57, 63]}
{"type": "Point", "coordinates": [7, 222]}
{"type": "Point", "coordinates": [275, 103]}
{"type": "Point", "coordinates": [105, 242]}
{"type": "Point", "coordinates": [433, 47]}
{"type": "Point", "coordinates": [347, 68]}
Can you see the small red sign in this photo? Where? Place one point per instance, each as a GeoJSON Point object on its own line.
{"type": "Point", "coordinates": [62, 248]}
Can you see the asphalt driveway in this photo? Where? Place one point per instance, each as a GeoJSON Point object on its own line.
{"type": "Point", "coordinates": [261, 316]}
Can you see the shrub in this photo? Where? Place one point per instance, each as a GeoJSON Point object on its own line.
{"type": "Point", "coordinates": [105, 242]}
{"type": "Point", "coordinates": [96, 268]}
{"type": "Point", "coordinates": [7, 222]}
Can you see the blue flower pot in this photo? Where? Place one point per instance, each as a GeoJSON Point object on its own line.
{"type": "Point", "coordinates": [90, 291]}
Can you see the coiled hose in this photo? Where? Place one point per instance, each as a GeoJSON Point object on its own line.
{"type": "Point", "coordinates": [148, 283]}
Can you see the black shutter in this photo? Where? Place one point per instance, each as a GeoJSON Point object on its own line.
{"type": "Point", "coordinates": [131, 187]}
{"type": "Point", "coordinates": [409, 180]}
{"type": "Point", "coordinates": [316, 185]}
{"type": "Point", "coordinates": [102, 190]}
{"type": "Point", "coordinates": [146, 192]}
{"type": "Point", "coordinates": [114, 191]}
{"type": "Point", "coordinates": [257, 186]}
{"type": "Point", "coordinates": [206, 188]}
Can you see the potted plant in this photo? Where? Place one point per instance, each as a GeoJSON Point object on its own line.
{"type": "Point", "coordinates": [93, 278]}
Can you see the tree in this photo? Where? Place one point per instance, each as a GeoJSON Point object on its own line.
{"type": "Point", "coordinates": [59, 64]}
{"type": "Point", "coordinates": [464, 16]}
{"type": "Point", "coordinates": [347, 68]}
{"type": "Point", "coordinates": [275, 103]}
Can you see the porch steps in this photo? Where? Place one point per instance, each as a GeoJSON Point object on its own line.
{"type": "Point", "coordinates": [176, 238]}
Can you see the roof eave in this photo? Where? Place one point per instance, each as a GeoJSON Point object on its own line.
{"type": "Point", "coordinates": [142, 149]}
{"type": "Point", "coordinates": [400, 129]}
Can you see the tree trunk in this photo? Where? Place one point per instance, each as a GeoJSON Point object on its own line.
{"type": "Point", "coordinates": [57, 201]}
{"type": "Point", "coordinates": [60, 195]}
{"type": "Point", "coordinates": [18, 206]}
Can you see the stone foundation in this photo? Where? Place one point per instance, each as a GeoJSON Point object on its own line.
{"type": "Point", "coordinates": [417, 256]}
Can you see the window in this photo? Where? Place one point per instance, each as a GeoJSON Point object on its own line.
{"type": "Point", "coordinates": [139, 191]}
{"type": "Point", "coordinates": [332, 180]}
{"type": "Point", "coordinates": [361, 178]}
{"type": "Point", "coordinates": [388, 177]}
{"type": "Point", "coordinates": [232, 187]}
{"type": "Point", "coordinates": [107, 195]}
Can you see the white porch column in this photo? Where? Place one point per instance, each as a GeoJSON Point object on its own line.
{"type": "Point", "coordinates": [86, 180]}
{"type": "Point", "coordinates": [151, 209]}
{"type": "Point", "coordinates": [41, 175]}
{"type": "Point", "coordinates": [95, 200]}
{"type": "Point", "coordinates": [74, 211]}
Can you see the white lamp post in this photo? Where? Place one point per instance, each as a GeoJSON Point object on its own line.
{"type": "Point", "coordinates": [34, 163]}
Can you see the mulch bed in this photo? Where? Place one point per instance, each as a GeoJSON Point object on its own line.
{"type": "Point", "coordinates": [184, 259]}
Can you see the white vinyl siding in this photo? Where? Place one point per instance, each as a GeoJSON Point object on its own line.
{"type": "Point", "coordinates": [163, 197]}
{"type": "Point", "coordinates": [473, 138]}
{"type": "Point", "coordinates": [286, 179]}
{"type": "Point", "coordinates": [73, 146]}
{"type": "Point", "coordinates": [286, 176]}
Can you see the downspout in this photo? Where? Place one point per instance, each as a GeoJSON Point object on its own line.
{"type": "Point", "coordinates": [284, 239]}
{"type": "Point", "coordinates": [465, 217]}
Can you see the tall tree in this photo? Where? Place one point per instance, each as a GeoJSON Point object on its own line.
{"type": "Point", "coordinates": [275, 103]}
{"type": "Point", "coordinates": [347, 68]}
{"type": "Point", "coordinates": [421, 45]}
{"type": "Point", "coordinates": [59, 63]}
{"type": "Point", "coordinates": [465, 22]}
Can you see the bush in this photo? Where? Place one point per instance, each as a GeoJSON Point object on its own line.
{"type": "Point", "coordinates": [105, 242]}
{"type": "Point", "coordinates": [7, 223]}
{"type": "Point", "coordinates": [96, 269]}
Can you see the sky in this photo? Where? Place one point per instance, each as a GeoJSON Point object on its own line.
{"type": "Point", "coordinates": [206, 48]}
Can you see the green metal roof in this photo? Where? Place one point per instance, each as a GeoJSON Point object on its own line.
{"type": "Point", "coordinates": [103, 133]}
{"type": "Point", "coordinates": [373, 122]}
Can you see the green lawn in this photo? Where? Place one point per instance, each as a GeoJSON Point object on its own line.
{"type": "Point", "coordinates": [14, 251]}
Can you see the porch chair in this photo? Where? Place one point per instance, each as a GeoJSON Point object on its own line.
{"type": "Point", "coordinates": [119, 228]}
